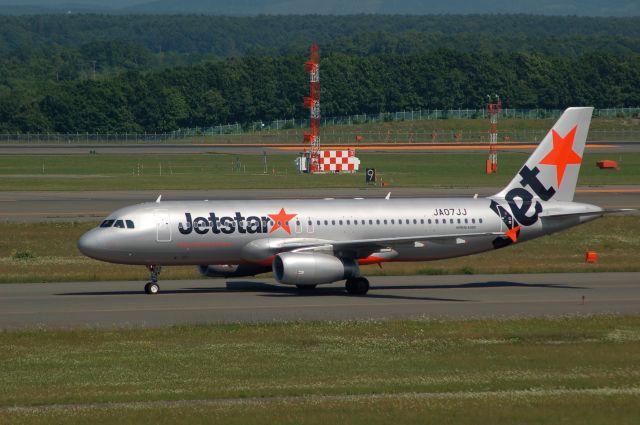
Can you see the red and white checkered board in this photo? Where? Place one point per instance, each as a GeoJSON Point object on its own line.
{"type": "Point", "coordinates": [344, 160]}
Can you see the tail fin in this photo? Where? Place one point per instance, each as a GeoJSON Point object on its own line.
{"type": "Point", "coordinates": [552, 170]}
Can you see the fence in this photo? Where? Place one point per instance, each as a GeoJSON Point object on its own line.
{"type": "Point", "coordinates": [290, 131]}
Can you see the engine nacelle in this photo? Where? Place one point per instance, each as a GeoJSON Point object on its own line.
{"type": "Point", "coordinates": [308, 268]}
{"type": "Point", "coordinates": [232, 270]}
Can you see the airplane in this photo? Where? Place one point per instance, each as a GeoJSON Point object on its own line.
{"type": "Point", "coordinates": [311, 242]}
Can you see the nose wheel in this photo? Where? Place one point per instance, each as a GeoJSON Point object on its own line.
{"type": "Point", "coordinates": [152, 286]}
{"type": "Point", "coordinates": [357, 286]}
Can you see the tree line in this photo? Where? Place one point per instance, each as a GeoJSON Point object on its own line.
{"type": "Point", "coordinates": [259, 87]}
{"type": "Point", "coordinates": [225, 36]}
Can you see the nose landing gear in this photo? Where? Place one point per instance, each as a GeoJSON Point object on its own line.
{"type": "Point", "coordinates": [152, 286]}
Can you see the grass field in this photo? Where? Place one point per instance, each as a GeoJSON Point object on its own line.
{"type": "Point", "coordinates": [209, 171]}
{"type": "Point", "coordinates": [469, 130]}
{"type": "Point", "coordinates": [46, 252]}
{"type": "Point", "coordinates": [447, 130]}
{"type": "Point", "coordinates": [525, 371]}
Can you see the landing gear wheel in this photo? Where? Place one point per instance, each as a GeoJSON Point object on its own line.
{"type": "Point", "coordinates": [303, 288]}
{"type": "Point", "coordinates": [357, 286]}
{"type": "Point", "coordinates": [151, 288]}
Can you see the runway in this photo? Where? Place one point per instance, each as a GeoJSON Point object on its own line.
{"type": "Point", "coordinates": [610, 146]}
{"type": "Point", "coordinates": [106, 304]}
{"type": "Point", "coordinates": [40, 206]}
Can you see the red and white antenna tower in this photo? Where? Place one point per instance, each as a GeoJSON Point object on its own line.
{"type": "Point", "coordinates": [313, 103]}
{"type": "Point", "coordinates": [494, 107]}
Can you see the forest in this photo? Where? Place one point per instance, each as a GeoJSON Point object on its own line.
{"type": "Point", "coordinates": [98, 73]}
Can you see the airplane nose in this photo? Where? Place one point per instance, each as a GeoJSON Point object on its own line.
{"type": "Point", "coordinates": [89, 244]}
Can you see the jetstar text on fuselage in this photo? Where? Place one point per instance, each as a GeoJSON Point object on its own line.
{"type": "Point", "coordinates": [224, 224]}
{"type": "Point", "coordinates": [237, 223]}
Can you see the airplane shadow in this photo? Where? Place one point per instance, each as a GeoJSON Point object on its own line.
{"type": "Point", "coordinates": [271, 290]}
{"type": "Point", "coordinates": [488, 284]}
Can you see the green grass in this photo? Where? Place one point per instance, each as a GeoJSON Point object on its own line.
{"type": "Point", "coordinates": [46, 252]}
{"type": "Point", "coordinates": [420, 131]}
{"type": "Point", "coordinates": [572, 369]}
{"type": "Point", "coordinates": [206, 171]}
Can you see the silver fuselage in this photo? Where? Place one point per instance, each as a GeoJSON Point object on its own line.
{"type": "Point", "coordinates": [237, 232]}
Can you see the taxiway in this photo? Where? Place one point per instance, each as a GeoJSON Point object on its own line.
{"type": "Point", "coordinates": [105, 304]}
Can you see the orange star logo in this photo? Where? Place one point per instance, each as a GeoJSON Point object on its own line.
{"type": "Point", "coordinates": [281, 220]}
{"type": "Point", "coordinates": [513, 234]}
{"type": "Point", "coordinates": [562, 153]}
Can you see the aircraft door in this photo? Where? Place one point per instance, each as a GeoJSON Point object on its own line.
{"type": "Point", "coordinates": [163, 226]}
{"type": "Point", "coordinates": [310, 228]}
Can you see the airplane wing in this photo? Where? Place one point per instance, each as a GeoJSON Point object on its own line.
{"type": "Point", "coordinates": [362, 248]}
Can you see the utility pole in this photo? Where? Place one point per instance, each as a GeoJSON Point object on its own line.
{"type": "Point", "coordinates": [494, 107]}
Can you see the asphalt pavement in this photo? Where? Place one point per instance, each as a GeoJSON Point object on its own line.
{"type": "Point", "coordinates": [610, 146]}
{"type": "Point", "coordinates": [106, 304]}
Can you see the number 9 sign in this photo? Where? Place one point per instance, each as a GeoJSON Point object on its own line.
{"type": "Point", "coordinates": [370, 175]}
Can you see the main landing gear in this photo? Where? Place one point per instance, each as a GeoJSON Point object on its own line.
{"type": "Point", "coordinates": [152, 286]}
{"type": "Point", "coordinates": [357, 286]}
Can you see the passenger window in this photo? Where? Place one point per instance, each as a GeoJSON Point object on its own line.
{"type": "Point", "coordinates": [119, 224]}
{"type": "Point", "coordinates": [436, 221]}
{"type": "Point", "coordinates": [377, 221]}
{"type": "Point", "coordinates": [480, 220]}
{"type": "Point", "coordinates": [348, 222]}
{"type": "Point", "coordinates": [415, 221]}
{"type": "Point", "coordinates": [393, 221]}
{"type": "Point", "coordinates": [333, 222]}
{"type": "Point", "coordinates": [326, 223]}
{"type": "Point", "coordinates": [340, 221]}
{"type": "Point", "coordinates": [107, 223]}
{"type": "Point", "coordinates": [458, 221]}
{"type": "Point", "coordinates": [370, 221]}
{"type": "Point", "coordinates": [451, 220]}
{"type": "Point", "coordinates": [385, 221]}
{"type": "Point", "coordinates": [473, 220]}
{"type": "Point", "coordinates": [129, 224]}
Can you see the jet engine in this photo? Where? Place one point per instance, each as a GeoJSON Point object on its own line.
{"type": "Point", "coordinates": [308, 268]}
{"type": "Point", "coordinates": [232, 270]}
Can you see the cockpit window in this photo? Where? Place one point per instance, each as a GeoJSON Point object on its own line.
{"type": "Point", "coordinates": [119, 223]}
{"type": "Point", "coordinates": [129, 224]}
{"type": "Point", "coordinates": [107, 223]}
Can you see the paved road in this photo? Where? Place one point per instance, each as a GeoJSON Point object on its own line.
{"type": "Point", "coordinates": [45, 206]}
{"type": "Point", "coordinates": [612, 146]}
{"type": "Point", "coordinates": [103, 304]}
